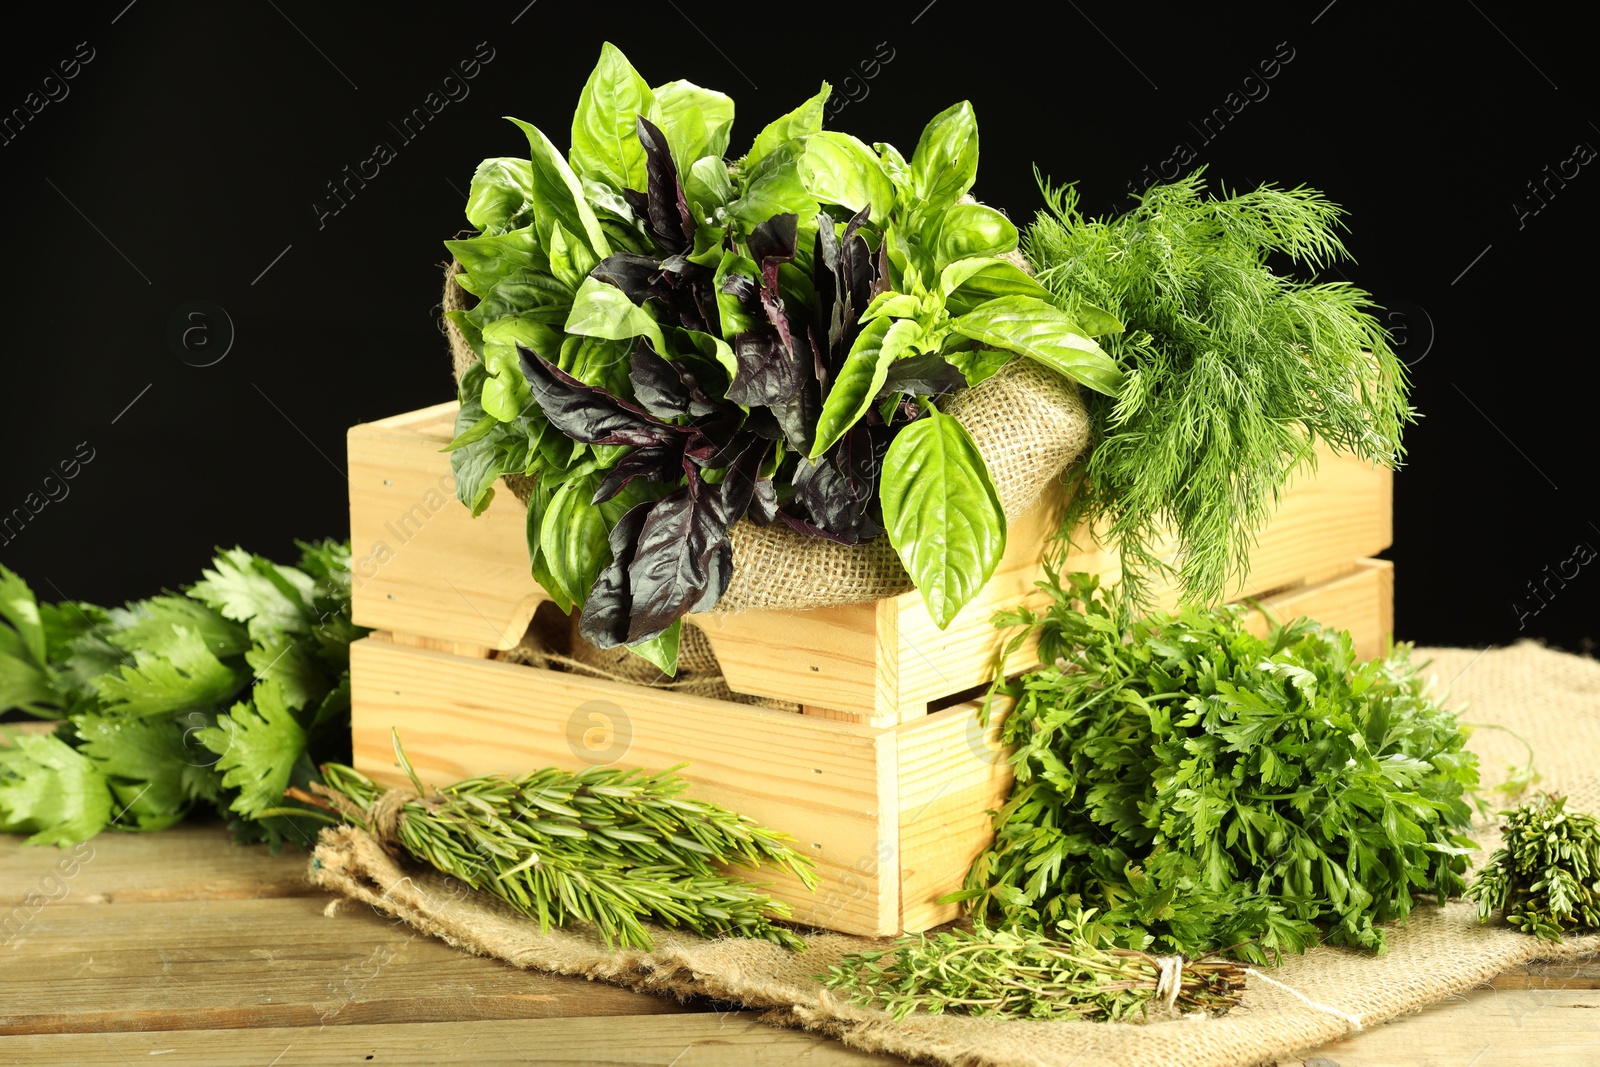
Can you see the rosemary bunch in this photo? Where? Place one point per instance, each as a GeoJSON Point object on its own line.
{"type": "Point", "coordinates": [610, 847]}
{"type": "Point", "coordinates": [1233, 371]}
{"type": "Point", "coordinates": [1019, 973]}
{"type": "Point", "coordinates": [1546, 875]}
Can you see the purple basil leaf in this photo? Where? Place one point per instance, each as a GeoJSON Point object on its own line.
{"type": "Point", "coordinates": [738, 485]}
{"type": "Point", "coordinates": [928, 374]}
{"type": "Point", "coordinates": [719, 570]}
{"type": "Point", "coordinates": [764, 424]}
{"type": "Point", "coordinates": [673, 563]}
{"type": "Point", "coordinates": [604, 622]}
{"type": "Point", "coordinates": [768, 373]}
{"type": "Point", "coordinates": [585, 413]}
{"type": "Point", "coordinates": [657, 384]}
{"type": "Point", "coordinates": [800, 525]}
{"type": "Point", "coordinates": [745, 290]}
{"type": "Point", "coordinates": [798, 415]}
{"type": "Point", "coordinates": [773, 242]}
{"type": "Point", "coordinates": [639, 277]}
{"type": "Point", "coordinates": [657, 463]}
{"type": "Point", "coordinates": [668, 217]}
{"type": "Point", "coordinates": [831, 500]}
{"type": "Point", "coordinates": [764, 504]}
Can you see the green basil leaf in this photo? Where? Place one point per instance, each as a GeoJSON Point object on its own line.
{"type": "Point", "coordinates": [942, 513]}
{"type": "Point", "coordinates": [468, 328]}
{"type": "Point", "coordinates": [803, 121]}
{"type": "Point", "coordinates": [774, 188]}
{"type": "Point", "coordinates": [523, 292]}
{"type": "Point", "coordinates": [889, 302]}
{"type": "Point", "coordinates": [945, 163]}
{"type": "Point", "coordinates": [970, 282]}
{"type": "Point", "coordinates": [474, 465]}
{"type": "Point", "coordinates": [967, 230]}
{"type": "Point", "coordinates": [895, 166]}
{"type": "Point", "coordinates": [502, 190]}
{"type": "Point", "coordinates": [490, 259]}
{"type": "Point", "coordinates": [601, 310]}
{"type": "Point", "coordinates": [1039, 331]}
{"type": "Point", "coordinates": [558, 195]}
{"type": "Point", "coordinates": [697, 122]}
{"type": "Point", "coordinates": [570, 260]}
{"type": "Point", "coordinates": [734, 319]}
{"type": "Point", "coordinates": [861, 376]}
{"type": "Point", "coordinates": [573, 533]}
{"type": "Point", "coordinates": [598, 361]}
{"type": "Point", "coordinates": [707, 186]}
{"type": "Point", "coordinates": [605, 137]}
{"type": "Point", "coordinates": [662, 650]}
{"type": "Point", "coordinates": [977, 363]}
{"type": "Point", "coordinates": [836, 168]}
{"type": "Point", "coordinates": [505, 392]}
{"type": "Point", "coordinates": [477, 431]}
{"type": "Point", "coordinates": [1094, 320]}
{"type": "Point", "coordinates": [545, 488]}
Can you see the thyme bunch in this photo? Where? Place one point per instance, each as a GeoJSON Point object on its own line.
{"type": "Point", "coordinates": [1545, 877]}
{"type": "Point", "coordinates": [1234, 371]}
{"type": "Point", "coordinates": [1018, 973]}
{"type": "Point", "coordinates": [609, 847]}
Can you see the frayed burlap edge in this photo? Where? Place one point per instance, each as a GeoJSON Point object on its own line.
{"type": "Point", "coordinates": [1551, 698]}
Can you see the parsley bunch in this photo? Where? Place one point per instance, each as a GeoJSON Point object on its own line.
{"type": "Point", "coordinates": [1546, 876]}
{"type": "Point", "coordinates": [223, 696]}
{"type": "Point", "coordinates": [1207, 789]}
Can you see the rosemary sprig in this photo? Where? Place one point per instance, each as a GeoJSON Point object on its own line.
{"type": "Point", "coordinates": [1546, 875]}
{"type": "Point", "coordinates": [1018, 973]}
{"type": "Point", "coordinates": [609, 847]}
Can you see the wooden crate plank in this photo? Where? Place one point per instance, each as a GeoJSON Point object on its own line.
{"type": "Point", "coordinates": [822, 781]}
{"type": "Point", "coordinates": [829, 657]}
{"type": "Point", "coordinates": [953, 773]}
{"type": "Point", "coordinates": [191, 862]}
{"type": "Point", "coordinates": [1361, 601]}
{"type": "Point", "coordinates": [731, 1039]}
{"type": "Point", "coordinates": [1485, 1027]}
{"type": "Point", "coordinates": [421, 563]}
{"type": "Point", "coordinates": [276, 962]}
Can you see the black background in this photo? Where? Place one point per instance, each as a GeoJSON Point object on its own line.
{"type": "Point", "coordinates": [188, 153]}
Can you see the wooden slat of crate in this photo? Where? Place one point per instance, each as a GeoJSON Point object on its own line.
{"type": "Point", "coordinates": [1361, 601]}
{"type": "Point", "coordinates": [421, 564]}
{"type": "Point", "coordinates": [830, 784]}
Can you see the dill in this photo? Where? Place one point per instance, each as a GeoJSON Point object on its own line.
{"type": "Point", "coordinates": [1234, 370]}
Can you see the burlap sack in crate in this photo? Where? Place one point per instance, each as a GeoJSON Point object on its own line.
{"type": "Point", "coordinates": [1550, 698]}
{"type": "Point", "coordinates": [1028, 422]}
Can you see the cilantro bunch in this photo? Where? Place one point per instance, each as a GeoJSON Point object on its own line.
{"type": "Point", "coordinates": [222, 697]}
{"type": "Point", "coordinates": [1207, 789]}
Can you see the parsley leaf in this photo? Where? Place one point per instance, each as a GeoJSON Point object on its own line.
{"type": "Point", "coordinates": [49, 789]}
{"type": "Point", "coordinates": [257, 744]}
{"type": "Point", "coordinates": [175, 672]}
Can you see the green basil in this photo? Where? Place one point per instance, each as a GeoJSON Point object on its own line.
{"type": "Point", "coordinates": [774, 188]}
{"type": "Point", "coordinates": [967, 230]}
{"type": "Point", "coordinates": [697, 122]}
{"type": "Point", "coordinates": [942, 513]}
{"type": "Point", "coordinates": [976, 281]}
{"type": "Point", "coordinates": [602, 310]}
{"type": "Point", "coordinates": [708, 187]}
{"type": "Point", "coordinates": [661, 650]}
{"type": "Point", "coordinates": [502, 189]}
{"type": "Point", "coordinates": [570, 260]}
{"type": "Point", "coordinates": [945, 163]}
{"type": "Point", "coordinates": [605, 141]}
{"type": "Point", "coordinates": [803, 121]}
{"type": "Point", "coordinates": [1040, 331]}
{"type": "Point", "coordinates": [558, 195]}
{"type": "Point", "coordinates": [861, 376]}
{"type": "Point", "coordinates": [490, 259]}
{"type": "Point", "coordinates": [544, 490]}
{"type": "Point", "coordinates": [836, 168]}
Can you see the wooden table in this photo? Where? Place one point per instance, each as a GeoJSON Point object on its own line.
{"type": "Point", "coordinates": [177, 949]}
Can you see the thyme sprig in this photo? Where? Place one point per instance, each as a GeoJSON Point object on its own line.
{"type": "Point", "coordinates": [612, 848]}
{"type": "Point", "coordinates": [1018, 973]}
{"type": "Point", "coordinates": [1545, 877]}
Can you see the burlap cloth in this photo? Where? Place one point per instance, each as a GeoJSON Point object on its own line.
{"type": "Point", "coordinates": [1551, 698]}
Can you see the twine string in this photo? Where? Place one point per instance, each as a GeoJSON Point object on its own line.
{"type": "Point", "coordinates": [1169, 980]}
{"type": "Point", "coordinates": [1353, 1020]}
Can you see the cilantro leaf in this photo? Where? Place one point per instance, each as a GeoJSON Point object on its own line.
{"type": "Point", "coordinates": [155, 775]}
{"type": "Point", "coordinates": [271, 600]}
{"type": "Point", "coordinates": [257, 745]}
{"type": "Point", "coordinates": [49, 789]}
{"type": "Point", "coordinates": [179, 672]}
{"type": "Point", "coordinates": [148, 625]}
{"type": "Point", "coordinates": [290, 663]}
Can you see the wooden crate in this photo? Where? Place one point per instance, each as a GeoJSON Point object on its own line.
{"type": "Point", "coordinates": [888, 797]}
